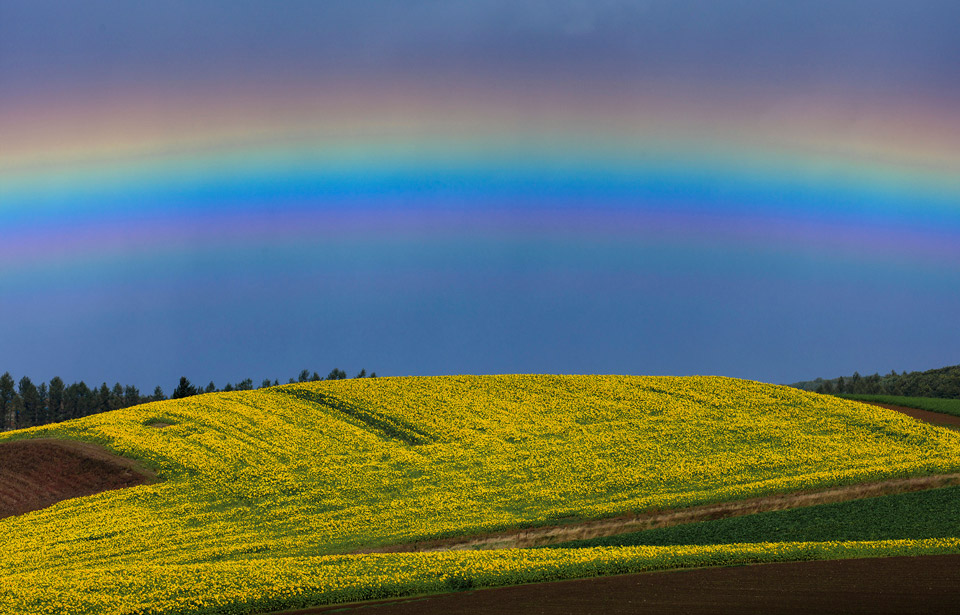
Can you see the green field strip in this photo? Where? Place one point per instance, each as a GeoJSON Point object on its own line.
{"type": "Point", "coordinates": [933, 404]}
{"type": "Point", "coordinates": [918, 515]}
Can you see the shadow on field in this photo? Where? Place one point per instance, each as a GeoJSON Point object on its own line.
{"type": "Point", "coordinates": [928, 584]}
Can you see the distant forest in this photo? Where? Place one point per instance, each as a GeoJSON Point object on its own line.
{"type": "Point", "coordinates": [25, 404]}
{"type": "Point", "coordinates": [943, 383]}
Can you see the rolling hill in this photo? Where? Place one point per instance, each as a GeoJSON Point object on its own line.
{"type": "Point", "coordinates": [265, 499]}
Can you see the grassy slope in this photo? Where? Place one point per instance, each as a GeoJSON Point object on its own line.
{"type": "Point", "coordinates": [906, 516]}
{"type": "Point", "coordinates": [933, 404]}
{"type": "Point", "coordinates": [273, 480]}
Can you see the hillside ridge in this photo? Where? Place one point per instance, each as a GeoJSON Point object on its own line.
{"type": "Point", "coordinates": [264, 495]}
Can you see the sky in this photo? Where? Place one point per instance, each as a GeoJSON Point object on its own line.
{"type": "Point", "coordinates": [223, 190]}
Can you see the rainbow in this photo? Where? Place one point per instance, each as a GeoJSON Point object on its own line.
{"type": "Point", "coordinates": [225, 174]}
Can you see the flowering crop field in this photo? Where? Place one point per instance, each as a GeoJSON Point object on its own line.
{"type": "Point", "coordinates": [265, 494]}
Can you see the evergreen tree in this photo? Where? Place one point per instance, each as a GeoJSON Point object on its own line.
{"type": "Point", "coordinates": [42, 416]}
{"type": "Point", "coordinates": [131, 396]}
{"type": "Point", "coordinates": [23, 404]}
{"type": "Point", "coordinates": [71, 403]}
{"type": "Point", "coordinates": [7, 393]}
{"type": "Point", "coordinates": [55, 399]}
{"type": "Point", "coordinates": [102, 399]}
{"type": "Point", "coordinates": [184, 389]}
{"type": "Point", "coordinates": [116, 397]}
{"type": "Point", "coordinates": [943, 382]}
{"type": "Point", "coordinates": [16, 413]}
{"type": "Point", "coordinates": [30, 403]}
{"type": "Point", "coordinates": [856, 383]}
{"type": "Point", "coordinates": [86, 400]}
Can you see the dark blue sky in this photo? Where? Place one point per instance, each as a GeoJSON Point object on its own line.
{"type": "Point", "coordinates": [145, 284]}
{"type": "Point", "coordinates": [883, 46]}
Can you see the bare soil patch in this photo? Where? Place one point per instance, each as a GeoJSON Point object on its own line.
{"type": "Point", "coordinates": [937, 418]}
{"type": "Point", "coordinates": [928, 584]}
{"type": "Point", "coordinates": [546, 535]}
{"type": "Point", "coordinates": [35, 474]}
{"type": "Point", "coordinates": [158, 423]}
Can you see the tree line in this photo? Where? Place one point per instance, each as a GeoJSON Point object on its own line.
{"type": "Point", "coordinates": [25, 404]}
{"type": "Point", "coordinates": [943, 382]}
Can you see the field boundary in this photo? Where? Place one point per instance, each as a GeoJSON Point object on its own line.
{"type": "Point", "coordinates": [887, 585]}
{"type": "Point", "coordinates": [937, 405]}
{"type": "Point", "coordinates": [554, 534]}
{"type": "Point", "coordinates": [941, 419]}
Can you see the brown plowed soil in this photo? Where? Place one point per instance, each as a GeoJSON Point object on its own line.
{"type": "Point", "coordinates": [38, 473]}
{"type": "Point", "coordinates": [539, 536]}
{"type": "Point", "coordinates": [937, 418]}
{"type": "Point", "coordinates": [929, 584]}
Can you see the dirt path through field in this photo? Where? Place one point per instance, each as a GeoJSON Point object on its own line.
{"type": "Point", "coordinates": [38, 473]}
{"type": "Point", "coordinates": [539, 536]}
{"type": "Point", "coordinates": [937, 418]}
{"type": "Point", "coordinates": [884, 586]}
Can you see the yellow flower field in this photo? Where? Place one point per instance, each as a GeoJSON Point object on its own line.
{"type": "Point", "coordinates": [265, 493]}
